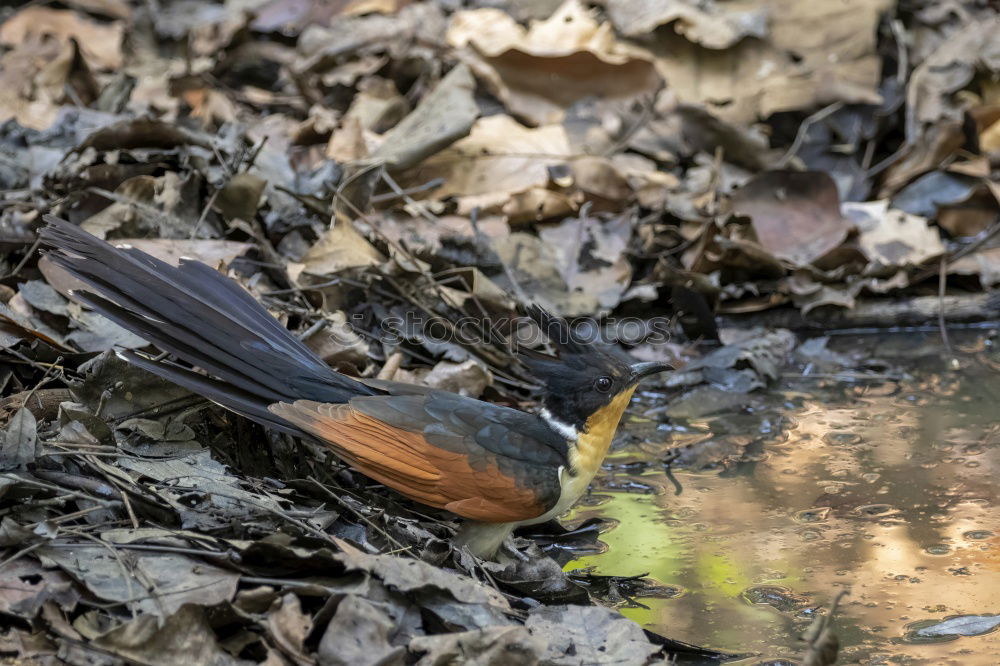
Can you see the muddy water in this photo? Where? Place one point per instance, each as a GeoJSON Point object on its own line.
{"type": "Point", "coordinates": [881, 480]}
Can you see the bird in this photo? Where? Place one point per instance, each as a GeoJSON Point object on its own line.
{"type": "Point", "coordinates": [497, 467]}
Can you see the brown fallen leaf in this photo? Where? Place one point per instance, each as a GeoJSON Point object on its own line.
{"type": "Point", "coordinates": [599, 177]}
{"type": "Point", "coordinates": [350, 142]}
{"type": "Point", "coordinates": [338, 343]}
{"type": "Point", "coordinates": [180, 581]}
{"type": "Point", "coordinates": [491, 645]}
{"type": "Point", "coordinates": [28, 585]}
{"type": "Point", "coordinates": [377, 106]}
{"type": "Point", "coordinates": [20, 441]}
{"type": "Point", "coordinates": [289, 627]}
{"type": "Point", "coordinates": [240, 198]}
{"type": "Point", "coordinates": [535, 269]}
{"type": "Point", "coordinates": [796, 215]}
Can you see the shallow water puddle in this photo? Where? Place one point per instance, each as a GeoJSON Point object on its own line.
{"type": "Point", "coordinates": [884, 487]}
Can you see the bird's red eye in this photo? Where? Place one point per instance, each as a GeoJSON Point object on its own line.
{"type": "Point", "coordinates": [603, 384]}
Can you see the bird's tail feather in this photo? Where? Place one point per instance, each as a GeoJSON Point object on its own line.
{"type": "Point", "coordinates": [203, 318]}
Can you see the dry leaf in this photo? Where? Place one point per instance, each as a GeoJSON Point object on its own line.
{"type": "Point", "coordinates": [101, 43]}
{"type": "Point", "coordinates": [499, 157]}
{"type": "Point", "coordinates": [570, 47]}
{"type": "Point", "coordinates": [349, 143]}
{"type": "Point", "coordinates": [590, 256]}
{"type": "Point", "coordinates": [891, 237]}
{"type": "Point", "coordinates": [339, 248]}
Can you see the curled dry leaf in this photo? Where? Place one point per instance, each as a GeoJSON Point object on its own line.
{"type": "Point", "coordinates": [570, 46]}
{"type": "Point", "coordinates": [711, 24]}
{"type": "Point", "coordinates": [101, 43]}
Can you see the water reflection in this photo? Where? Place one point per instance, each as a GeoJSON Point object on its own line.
{"type": "Point", "coordinates": [885, 488]}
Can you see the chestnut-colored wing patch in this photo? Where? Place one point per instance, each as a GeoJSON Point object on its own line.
{"type": "Point", "coordinates": [430, 461]}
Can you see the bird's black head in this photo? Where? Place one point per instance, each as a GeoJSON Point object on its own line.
{"type": "Point", "coordinates": [588, 382]}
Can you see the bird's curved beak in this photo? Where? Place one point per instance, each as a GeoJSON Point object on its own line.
{"type": "Point", "coordinates": [640, 370]}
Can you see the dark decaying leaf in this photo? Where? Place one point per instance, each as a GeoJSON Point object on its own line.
{"type": "Point", "coordinates": [359, 633]}
{"type": "Point", "coordinates": [20, 441]}
{"type": "Point", "coordinates": [183, 638]}
{"type": "Point", "coordinates": [155, 584]}
{"type": "Point", "coordinates": [115, 389]}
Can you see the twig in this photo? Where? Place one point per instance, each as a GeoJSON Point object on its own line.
{"type": "Point", "coordinates": [316, 327]}
{"type": "Point", "coordinates": [942, 326]}
{"type": "Point", "coordinates": [800, 135]}
{"type": "Point", "coordinates": [204, 212]}
{"type": "Point", "coordinates": [508, 272]}
{"type": "Point", "coordinates": [418, 206]}
{"type": "Point", "coordinates": [432, 184]}
{"type": "Point", "coordinates": [60, 489]}
{"type": "Point", "coordinates": [648, 105]}
{"type": "Point", "coordinates": [27, 255]}
{"type": "Point", "coordinates": [400, 547]}
{"type": "Point", "coordinates": [277, 512]}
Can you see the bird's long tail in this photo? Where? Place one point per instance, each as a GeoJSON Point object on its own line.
{"type": "Point", "coordinates": [203, 318]}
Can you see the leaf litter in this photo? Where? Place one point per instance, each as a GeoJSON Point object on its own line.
{"type": "Point", "coordinates": [695, 162]}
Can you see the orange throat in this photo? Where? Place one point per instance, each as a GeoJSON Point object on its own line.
{"type": "Point", "coordinates": [595, 439]}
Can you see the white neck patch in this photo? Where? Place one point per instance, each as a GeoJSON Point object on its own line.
{"type": "Point", "coordinates": [561, 427]}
